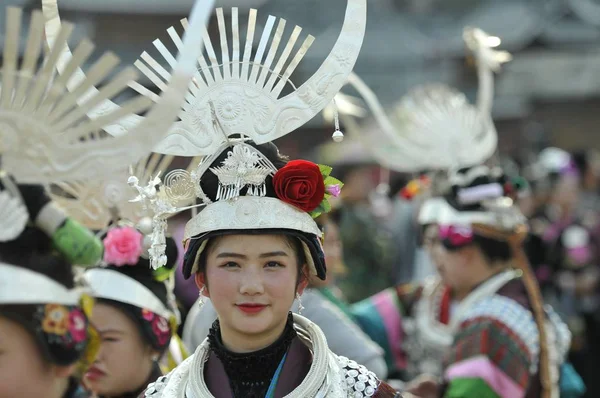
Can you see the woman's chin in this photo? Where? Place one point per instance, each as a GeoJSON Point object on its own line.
{"type": "Point", "coordinates": [255, 325]}
{"type": "Point", "coordinates": [96, 386]}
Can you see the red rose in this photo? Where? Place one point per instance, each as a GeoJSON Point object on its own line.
{"type": "Point", "coordinates": [300, 183]}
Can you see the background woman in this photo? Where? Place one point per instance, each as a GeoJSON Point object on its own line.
{"type": "Point", "coordinates": [133, 315]}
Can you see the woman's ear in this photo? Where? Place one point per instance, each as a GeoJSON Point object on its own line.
{"type": "Point", "coordinates": [200, 279]}
{"type": "Point", "coordinates": [303, 282]}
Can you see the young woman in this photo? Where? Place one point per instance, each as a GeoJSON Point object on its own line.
{"type": "Point", "coordinates": [252, 255]}
{"type": "Point", "coordinates": [491, 298]}
{"type": "Point", "coordinates": [321, 305]}
{"type": "Point", "coordinates": [133, 315]}
{"type": "Point", "coordinates": [44, 333]}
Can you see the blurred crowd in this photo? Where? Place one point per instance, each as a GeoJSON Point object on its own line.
{"type": "Point", "coordinates": [374, 242]}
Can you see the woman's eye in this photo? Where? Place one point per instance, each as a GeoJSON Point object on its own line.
{"type": "Point", "coordinates": [110, 339]}
{"type": "Point", "coordinates": [230, 264]}
{"type": "Point", "coordinates": [273, 264]}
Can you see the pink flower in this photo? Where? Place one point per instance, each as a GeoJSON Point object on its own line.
{"type": "Point", "coordinates": [122, 246]}
{"type": "Point", "coordinates": [77, 325]}
{"type": "Point", "coordinates": [334, 189]}
{"type": "Point", "coordinates": [456, 235]}
{"type": "Point", "coordinates": [161, 329]}
{"type": "Point", "coordinates": [147, 314]}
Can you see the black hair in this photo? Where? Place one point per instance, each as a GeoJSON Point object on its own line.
{"type": "Point", "coordinates": [210, 182]}
{"type": "Point", "coordinates": [34, 197]}
{"type": "Point", "coordinates": [493, 250]}
{"type": "Point", "coordinates": [33, 250]}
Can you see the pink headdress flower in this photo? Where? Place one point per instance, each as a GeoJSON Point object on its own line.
{"type": "Point", "coordinates": [123, 246]}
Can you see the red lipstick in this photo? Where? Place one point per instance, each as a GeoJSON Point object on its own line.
{"type": "Point", "coordinates": [251, 308]}
{"type": "Point", "coordinates": [94, 374]}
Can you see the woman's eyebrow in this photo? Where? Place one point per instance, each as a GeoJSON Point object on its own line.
{"type": "Point", "coordinates": [274, 254]}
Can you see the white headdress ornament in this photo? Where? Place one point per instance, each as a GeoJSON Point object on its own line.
{"type": "Point", "coordinates": [96, 200]}
{"type": "Point", "coordinates": [499, 212]}
{"type": "Point", "coordinates": [433, 126]}
{"type": "Point", "coordinates": [20, 285]}
{"type": "Point", "coordinates": [243, 89]}
{"type": "Point", "coordinates": [496, 209]}
{"type": "Point", "coordinates": [240, 95]}
{"type": "Point", "coordinates": [113, 285]}
{"type": "Point", "coordinates": [13, 213]}
{"type": "Point", "coordinates": [45, 136]}
{"type": "Point", "coordinates": [95, 203]}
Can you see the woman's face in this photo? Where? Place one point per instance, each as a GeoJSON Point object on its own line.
{"type": "Point", "coordinates": [450, 265]}
{"type": "Point", "coordinates": [454, 268]}
{"type": "Point", "coordinates": [124, 361]}
{"type": "Point", "coordinates": [23, 371]}
{"type": "Point", "coordinates": [251, 281]}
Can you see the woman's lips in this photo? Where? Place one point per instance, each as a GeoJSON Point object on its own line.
{"type": "Point", "coordinates": [94, 374]}
{"type": "Point", "coordinates": [250, 308]}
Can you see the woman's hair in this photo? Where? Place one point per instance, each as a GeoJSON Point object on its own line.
{"type": "Point", "coordinates": [33, 250]}
{"type": "Point", "coordinates": [493, 250]}
{"type": "Point", "coordinates": [210, 182]}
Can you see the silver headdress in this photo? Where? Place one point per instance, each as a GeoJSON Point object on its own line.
{"type": "Point", "coordinates": [241, 94]}
{"type": "Point", "coordinates": [238, 94]}
{"type": "Point", "coordinates": [46, 137]}
{"type": "Point", "coordinates": [433, 126]}
{"type": "Point", "coordinates": [44, 132]}
{"type": "Point", "coordinates": [245, 88]}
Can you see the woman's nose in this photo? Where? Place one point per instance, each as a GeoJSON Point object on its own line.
{"type": "Point", "coordinates": [251, 282]}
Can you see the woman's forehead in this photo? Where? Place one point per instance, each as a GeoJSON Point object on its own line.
{"type": "Point", "coordinates": [109, 318]}
{"type": "Point", "coordinates": [251, 244]}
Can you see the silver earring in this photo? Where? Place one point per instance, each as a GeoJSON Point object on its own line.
{"type": "Point", "coordinates": [300, 306]}
{"type": "Point", "coordinates": [155, 358]}
{"type": "Point", "coordinates": [201, 297]}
